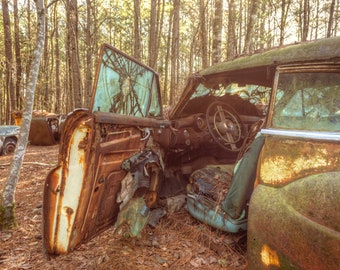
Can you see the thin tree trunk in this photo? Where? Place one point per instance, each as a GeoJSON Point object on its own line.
{"type": "Point", "coordinates": [17, 56]}
{"type": "Point", "coordinates": [137, 40]}
{"type": "Point", "coordinates": [166, 94]}
{"type": "Point", "coordinates": [317, 20]}
{"type": "Point", "coordinates": [174, 52]}
{"type": "Point", "coordinates": [250, 26]}
{"type": "Point", "coordinates": [203, 34]}
{"type": "Point", "coordinates": [153, 35]}
{"type": "Point", "coordinates": [159, 29]}
{"type": "Point", "coordinates": [217, 32]}
{"type": "Point", "coordinates": [57, 108]}
{"type": "Point", "coordinates": [74, 63]}
{"type": "Point", "coordinates": [305, 20]}
{"type": "Point", "coordinates": [330, 20]}
{"type": "Point", "coordinates": [7, 200]}
{"type": "Point", "coordinates": [284, 13]}
{"type": "Point", "coordinates": [231, 38]}
{"type": "Point", "coordinates": [89, 53]}
{"type": "Point", "coordinates": [46, 104]}
{"type": "Point", "coordinates": [9, 61]}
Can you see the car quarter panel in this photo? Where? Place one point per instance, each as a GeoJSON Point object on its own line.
{"type": "Point", "coordinates": [294, 210]}
{"type": "Point", "coordinates": [311, 206]}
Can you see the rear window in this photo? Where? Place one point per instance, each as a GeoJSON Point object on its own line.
{"type": "Point", "coordinates": [307, 101]}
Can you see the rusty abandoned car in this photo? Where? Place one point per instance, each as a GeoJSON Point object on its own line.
{"type": "Point", "coordinates": [8, 139]}
{"type": "Point", "coordinates": [253, 144]}
{"type": "Point", "coordinates": [45, 127]}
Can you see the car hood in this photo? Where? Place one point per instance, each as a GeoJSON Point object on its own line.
{"type": "Point", "coordinates": [9, 130]}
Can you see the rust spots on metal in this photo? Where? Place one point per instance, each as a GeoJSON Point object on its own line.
{"type": "Point", "coordinates": [51, 193]}
{"type": "Point", "coordinates": [284, 160]}
{"type": "Point", "coordinates": [68, 213]}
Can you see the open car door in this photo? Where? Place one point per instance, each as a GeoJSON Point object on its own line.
{"type": "Point", "coordinates": [83, 194]}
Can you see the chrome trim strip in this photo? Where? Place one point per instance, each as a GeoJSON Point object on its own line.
{"type": "Point", "coordinates": [319, 135]}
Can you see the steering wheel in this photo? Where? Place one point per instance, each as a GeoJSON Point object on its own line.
{"type": "Point", "coordinates": [224, 126]}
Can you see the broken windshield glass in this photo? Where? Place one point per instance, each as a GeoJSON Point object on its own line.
{"type": "Point", "coordinates": [126, 87]}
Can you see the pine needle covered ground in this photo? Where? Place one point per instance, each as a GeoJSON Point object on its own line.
{"type": "Point", "coordinates": [178, 242]}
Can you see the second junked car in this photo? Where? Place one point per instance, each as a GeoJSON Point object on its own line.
{"type": "Point", "coordinates": [253, 143]}
{"type": "Point", "coordinates": [8, 139]}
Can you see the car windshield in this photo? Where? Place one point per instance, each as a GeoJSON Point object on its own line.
{"type": "Point", "coordinates": [126, 87]}
{"type": "Point", "coordinates": [308, 101]}
{"type": "Point", "coordinates": [256, 94]}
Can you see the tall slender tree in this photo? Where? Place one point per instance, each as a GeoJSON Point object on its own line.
{"type": "Point", "coordinates": [10, 93]}
{"type": "Point", "coordinates": [137, 39]}
{"type": "Point", "coordinates": [174, 52]}
{"type": "Point", "coordinates": [285, 5]}
{"type": "Point", "coordinates": [330, 20]}
{"type": "Point", "coordinates": [7, 213]}
{"type": "Point", "coordinates": [250, 26]}
{"type": "Point", "coordinates": [231, 34]}
{"type": "Point", "coordinates": [17, 56]}
{"type": "Point", "coordinates": [217, 32]}
{"type": "Point", "coordinates": [89, 51]}
{"type": "Point", "coordinates": [304, 19]}
{"type": "Point", "coordinates": [57, 108]}
{"type": "Point", "coordinates": [74, 74]}
{"type": "Point", "coordinates": [153, 34]}
{"type": "Point", "coordinates": [203, 33]}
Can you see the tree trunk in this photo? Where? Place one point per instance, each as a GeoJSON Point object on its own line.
{"type": "Point", "coordinates": [231, 38]}
{"type": "Point", "coordinates": [305, 20]}
{"type": "Point", "coordinates": [137, 40]}
{"type": "Point", "coordinates": [317, 19]}
{"type": "Point", "coordinates": [166, 93]}
{"type": "Point", "coordinates": [217, 32]}
{"type": "Point", "coordinates": [153, 35]}
{"type": "Point", "coordinates": [330, 20]}
{"type": "Point", "coordinates": [250, 26]}
{"type": "Point", "coordinates": [46, 64]}
{"type": "Point", "coordinates": [57, 108]}
{"type": "Point", "coordinates": [89, 53]}
{"type": "Point", "coordinates": [7, 215]}
{"type": "Point", "coordinates": [174, 52]}
{"type": "Point", "coordinates": [9, 61]}
{"type": "Point", "coordinates": [284, 13]}
{"type": "Point", "coordinates": [72, 47]}
{"type": "Point", "coordinates": [203, 34]}
{"type": "Point", "coordinates": [18, 104]}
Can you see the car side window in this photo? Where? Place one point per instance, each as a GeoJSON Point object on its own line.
{"type": "Point", "coordinates": [308, 101]}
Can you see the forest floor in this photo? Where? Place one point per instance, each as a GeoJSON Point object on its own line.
{"type": "Point", "coordinates": [178, 242]}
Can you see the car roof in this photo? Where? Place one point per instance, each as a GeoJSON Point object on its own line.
{"type": "Point", "coordinates": [259, 68]}
{"type": "Point", "coordinates": [323, 49]}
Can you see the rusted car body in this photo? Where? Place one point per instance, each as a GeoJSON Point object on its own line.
{"type": "Point", "coordinates": [236, 127]}
{"type": "Point", "coordinates": [8, 139]}
{"type": "Point", "coordinates": [45, 127]}
{"type": "Point", "coordinates": [45, 130]}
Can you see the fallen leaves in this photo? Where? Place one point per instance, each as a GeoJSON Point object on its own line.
{"type": "Point", "coordinates": [178, 242]}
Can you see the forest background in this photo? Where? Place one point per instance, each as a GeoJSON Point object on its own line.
{"type": "Point", "coordinates": [174, 37]}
